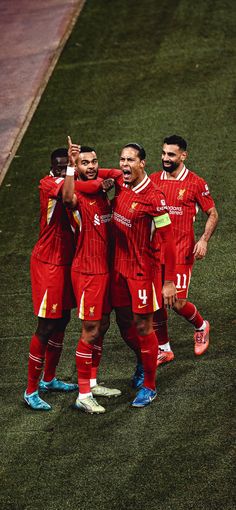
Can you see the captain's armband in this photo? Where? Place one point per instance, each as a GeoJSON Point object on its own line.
{"type": "Point", "coordinates": [162, 221]}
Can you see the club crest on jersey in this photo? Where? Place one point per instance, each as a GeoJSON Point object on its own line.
{"type": "Point", "coordinates": [181, 194]}
{"type": "Point", "coordinates": [133, 206]}
{"type": "Point", "coordinates": [91, 311]}
{"type": "Point", "coordinates": [96, 220]}
{"type": "Point", "coordinates": [54, 308]}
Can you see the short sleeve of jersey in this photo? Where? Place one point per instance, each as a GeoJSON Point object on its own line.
{"type": "Point", "coordinates": [203, 196]}
{"type": "Point", "coordinates": [51, 185]}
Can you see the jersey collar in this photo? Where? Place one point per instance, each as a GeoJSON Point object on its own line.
{"type": "Point", "coordinates": [142, 185]}
{"type": "Point", "coordinates": [182, 175]}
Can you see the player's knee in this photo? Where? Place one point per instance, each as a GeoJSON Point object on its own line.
{"type": "Point", "coordinates": [144, 324]}
{"type": "Point", "coordinates": [105, 324]}
{"type": "Point", "coordinates": [142, 327]}
{"type": "Point", "coordinates": [65, 318]}
{"type": "Point", "coordinates": [124, 319]}
{"type": "Point", "coordinates": [90, 331]}
{"type": "Point", "coordinates": [45, 330]}
{"type": "Point", "coordinates": [60, 324]}
{"type": "Point", "coordinates": [179, 304]}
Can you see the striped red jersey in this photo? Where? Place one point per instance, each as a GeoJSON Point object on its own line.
{"type": "Point", "coordinates": [137, 212]}
{"type": "Point", "coordinates": [56, 243]}
{"type": "Point", "coordinates": [184, 196]}
{"type": "Point", "coordinates": [93, 216]}
{"type": "Point", "coordinates": [56, 238]}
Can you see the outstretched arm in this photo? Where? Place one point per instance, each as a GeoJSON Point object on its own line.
{"type": "Point", "coordinates": [70, 185]}
{"type": "Point", "coordinates": [200, 248]}
{"type": "Point", "coordinates": [68, 195]}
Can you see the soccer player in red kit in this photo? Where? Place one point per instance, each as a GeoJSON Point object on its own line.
{"type": "Point", "coordinates": [185, 192]}
{"type": "Point", "coordinates": [52, 290]}
{"type": "Point", "coordinates": [90, 273]}
{"type": "Point", "coordinates": [139, 210]}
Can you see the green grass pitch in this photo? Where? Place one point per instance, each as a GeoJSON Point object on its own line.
{"type": "Point", "coordinates": [134, 70]}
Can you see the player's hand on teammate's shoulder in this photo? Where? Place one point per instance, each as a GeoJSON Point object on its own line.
{"type": "Point", "coordinates": [200, 249]}
{"type": "Point", "coordinates": [169, 294]}
{"type": "Point", "coordinates": [108, 184]}
{"type": "Point", "coordinates": [73, 151]}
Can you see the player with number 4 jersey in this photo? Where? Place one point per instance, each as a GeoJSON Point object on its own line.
{"type": "Point", "coordinates": [139, 210]}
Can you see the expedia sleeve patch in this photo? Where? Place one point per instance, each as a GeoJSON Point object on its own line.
{"type": "Point", "coordinates": [162, 221]}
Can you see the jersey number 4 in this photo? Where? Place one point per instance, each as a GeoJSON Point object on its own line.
{"type": "Point", "coordinates": [142, 294]}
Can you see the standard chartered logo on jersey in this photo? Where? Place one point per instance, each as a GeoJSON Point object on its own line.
{"type": "Point", "coordinates": [172, 209]}
{"type": "Point", "coordinates": [121, 219]}
{"type": "Point", "coordinates": [104, 218]}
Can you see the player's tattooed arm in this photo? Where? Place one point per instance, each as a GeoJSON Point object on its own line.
{"type": "Point", "coordinates": [107, 184]}
{"type": "Point", "coordinates": [200, 248]}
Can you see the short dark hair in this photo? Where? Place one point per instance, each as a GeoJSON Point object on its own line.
{"type": "Point", "coordinates": [86, 148]}
{"type": "Point", "coordinates": [176, 140]}
{"type": "Point", "coordinates": [59, 153]}
{"type": "Point", "coordinates": [137, 147]}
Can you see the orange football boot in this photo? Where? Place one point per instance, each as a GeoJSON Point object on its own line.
{"type": "Point", "coordinates": [164, 357]}
{"type": "Point", "coordinates": [201, 340]}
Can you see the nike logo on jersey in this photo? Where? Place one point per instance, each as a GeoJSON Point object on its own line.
{"type": "Point", "coordinates": [91, 203]}
{"type": "Point", "coordinates": [141, 306]}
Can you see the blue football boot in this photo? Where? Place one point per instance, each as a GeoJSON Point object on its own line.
{"type": "Point", "coordinates": [57, 385]}
{"type": "Point", "coordinates": [35, 402]}
{"type": "Point", "coordinates": [138, 377]}
{"type": "Point", "coordinates": [144, 397]}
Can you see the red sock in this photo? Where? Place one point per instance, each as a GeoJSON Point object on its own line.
{"type": "Point", "coordinates": [84, 353]}
{"type": "Point", "coordinates": [191, 314]}
{"type": "Point", "coordinates": [52, 355]}
{"type": "Point", "coordinates": [160, 319]}
{"type": "Point", "coordinates": [35, 365]}
{"type": "Point", "coordinates": [96, 357]}
{"type": "Point", "coordinates": [130, 337]}
{"type": "Point", "coordinates": [149, 351]}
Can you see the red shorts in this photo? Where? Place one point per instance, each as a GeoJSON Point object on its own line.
{"type": "Point", "coordinates": [144, 296]}
{"type": "Point", "coordinates": [92, 295]}
{"type": "Point", "coordinates": [183, 277]}
{"type": "Point", "coordinates": [52, 290]}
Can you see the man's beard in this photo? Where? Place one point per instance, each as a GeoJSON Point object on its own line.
{"type": "Point", "coordinates": [85, 178]}
{"type": "Point", "coordinates": [170, 168]}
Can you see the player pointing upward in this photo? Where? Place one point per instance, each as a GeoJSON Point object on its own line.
{"type": "Point", "coordinates": [90, 272]}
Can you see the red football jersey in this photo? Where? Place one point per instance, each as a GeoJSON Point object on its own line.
{"type": "Point", "coordinates": [93, 245]}
{"type": "Point", "coordinates": [56, 238]}
{"type": "Point", "coordinates": [56, 244]}
{"type": "Point", "coordinates": [137, 212]}
{"type": "Point", "coordinates": [184, 196]}
{"type": "Point", "coordinates": [93, 216]}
